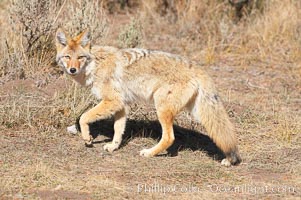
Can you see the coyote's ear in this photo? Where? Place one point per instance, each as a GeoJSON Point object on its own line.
{"type": "Point", "coordinates": [61, 38]}
{"type": "Point", "coordinates": [83, 39]}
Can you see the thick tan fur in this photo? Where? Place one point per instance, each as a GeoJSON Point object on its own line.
{"type": "Point", "coordinates": [119, 77]}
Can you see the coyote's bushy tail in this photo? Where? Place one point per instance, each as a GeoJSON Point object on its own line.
{"type": "Point", "coordinates": [209, 110]}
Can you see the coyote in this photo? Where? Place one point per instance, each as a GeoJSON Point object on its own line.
{"type": "Point", "coordinates": [119, 77]}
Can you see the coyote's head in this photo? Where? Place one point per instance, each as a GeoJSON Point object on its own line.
{"type": "Point", "coordinates": [73, 53]}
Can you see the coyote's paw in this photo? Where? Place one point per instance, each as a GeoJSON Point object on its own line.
{"type": "Point", "coordinates": [146, 153]}
{"type": "Point", "coordinates": [88, 140]}
{"type": "Point", "coordinates": [110, 147]}
{"type": "Point", "coordinates": [89, 143]}
{"type": "Point", "coordinates": [226, 162]}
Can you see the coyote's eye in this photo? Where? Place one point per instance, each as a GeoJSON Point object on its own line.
{"type": "Point", "coordinates": [81, 57]}
{"type": "Point", "coordinates": [67, 57]}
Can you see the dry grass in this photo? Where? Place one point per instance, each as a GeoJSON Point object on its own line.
{"type": "Point", "coordinates": [255, 63]}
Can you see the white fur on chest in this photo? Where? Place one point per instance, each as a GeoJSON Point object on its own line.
{"type": "Point", "coordinates": [96, 92]}
{"type": "Point", "coordinates": [90, 73]}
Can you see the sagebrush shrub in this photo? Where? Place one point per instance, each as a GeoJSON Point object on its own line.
{"type": "Point", "coordinates": [35, 20]}
{"type": "Point", "coordinates": [85, 14]}
{"type": "Point", "coordinates": [131, 35]}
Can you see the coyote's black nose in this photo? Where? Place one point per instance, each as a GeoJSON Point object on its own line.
{"type": "Point", "coordinates": [72, 70]}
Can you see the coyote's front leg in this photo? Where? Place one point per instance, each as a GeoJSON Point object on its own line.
{"type": "Point", "coordinates": [103, 110]}
{"type": "Point", "coordinates": [119, 126]}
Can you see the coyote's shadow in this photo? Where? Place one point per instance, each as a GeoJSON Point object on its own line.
{"type": "Point", "coordinates": [184, 138]}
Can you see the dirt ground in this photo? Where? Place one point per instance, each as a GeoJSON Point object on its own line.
{"type": "Point", "coordinates": [40, 160]}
